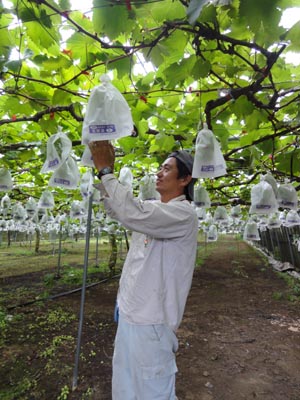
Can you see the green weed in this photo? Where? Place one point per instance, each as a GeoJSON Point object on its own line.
{"type": "Point", "coordinates": [277, 296]}
{"type": "Point", "coordinates": [3, 326]}
{"type": "Point", "coordinates": [57, 342]}
{"type": "Point", "coordinates": [19, 389]}
{"type": "Point", "coordinates": [59, 316]}
{"type": "Point", "coordinates": [65, 391]}
{"type": "Point", "coordinates": [293, 286]}
{"type": "Point", "coordinates": [88, 394]}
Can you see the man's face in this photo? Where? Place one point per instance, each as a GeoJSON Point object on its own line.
{"type": "Point", "coordinates": [167, 178]}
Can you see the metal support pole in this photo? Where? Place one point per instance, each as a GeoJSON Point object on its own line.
{"type": "Point", "coordinates": [121, 245]}
{"type": "Point", "coordinates": [97, 248]}
{"type": "Point", "coordinates": [59, 252]}
{"type": "Point", "coordinates": [238, 246]}
{"type": "Point", "coordinates": [86, 258]}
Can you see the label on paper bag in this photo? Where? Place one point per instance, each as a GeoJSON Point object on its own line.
{"type": "Point", "coordinates": [64, 182]}
{"type": "Point", "coordinates": [104, 129]}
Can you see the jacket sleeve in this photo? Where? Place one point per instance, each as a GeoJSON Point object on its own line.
{"type": "Point", "coordinates": [156, 219]}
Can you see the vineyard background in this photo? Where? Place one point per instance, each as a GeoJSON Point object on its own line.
{"type": "Point", "coordinates": [232, 64]}
{"type": "Point", "coordinates": [239, 338]}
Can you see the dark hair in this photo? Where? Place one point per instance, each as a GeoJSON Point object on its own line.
{"type": "Point", "coordinates": [183, 171]}
{"type": "Point", "coordinates": [184, 163]}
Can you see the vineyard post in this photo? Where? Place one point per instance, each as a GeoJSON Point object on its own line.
{"type": "Point", "coordinates": [59, 251]}
{"type": "Point", "coordinates": [83, 290]}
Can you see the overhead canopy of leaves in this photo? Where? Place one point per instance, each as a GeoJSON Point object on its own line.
{"type": "Point", "coordinates": [178, 63]}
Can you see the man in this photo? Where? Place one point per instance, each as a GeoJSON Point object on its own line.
{"type": "Point", "coordinates": [156, 275]}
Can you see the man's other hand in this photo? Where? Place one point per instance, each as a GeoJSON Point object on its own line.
{"type": "Point", "coordinates": [103, 154]}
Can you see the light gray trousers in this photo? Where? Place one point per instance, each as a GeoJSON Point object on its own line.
{"type": "Point", "coordinates": [144, 365]}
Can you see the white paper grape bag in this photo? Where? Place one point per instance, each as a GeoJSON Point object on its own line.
{"type": "Point", "coordinates": [262, 221]}
{"type": "Point", "coordinates": [148, 188]}
{"type": "Point", "coordinates": [59, 147]}
{"type": "Point", "coordinates": [282, 216]}
{"type": "Point", "coordinates": [235, 211]}
{"type": "Point", "coordinates": [208, 161]}
{"type": "Point", "coordinates": [75, 211]}
{"type": "Point", "coordinates": [86, 184]}
{"type": "Point", "coordinates": [126, 177]}
{"type": "Point", "coordinates": [292, 218]}
{"type": "Point", "coordinates": [263, 200]}
{"type": "Point", "coordinates": [5, 180]}
{"type": "Point", "coordinates": [212, 234]}
{"type": "Point", "coordinates": [19, 213]}
{"type": "Point", "coordinates": [96, 196]}
{"type": "Point", "coordinates": [201, 197]}
{"type": "Point", "coordinates": [251, 231]}
{"type": "Point", "coordinates": [268, 177]}
{"type": "Point", "coordinates": [66, 176]}
{"type": "Point", "coordinates": [220, 215]}
{"type": "Point", "coordinates": [287, 196]}
{"type": "Point", "coordinates": [201, 213]}
{"type": "Point", "coordinates": [46, 200]}
{"type": "Point", "coordinates": [108, 115]}
{"type": "Point", "coordinates": [31, 207]}
{"type": "Point", "coordinates": [5, 202]}
{"type": "Point", "coordinates": [87, 159]}
{"type": "Point", "coordinates": [274, 221]}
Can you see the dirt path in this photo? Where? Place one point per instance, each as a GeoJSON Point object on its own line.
{"type": "Point", "coordinates": [239, 339]}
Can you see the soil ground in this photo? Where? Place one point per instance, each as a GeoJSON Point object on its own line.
{"type": "Point", "coordinates": [239, 338]}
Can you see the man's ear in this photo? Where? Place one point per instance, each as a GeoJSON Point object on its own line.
{"type": "Point", "coordinates": [186, 179]}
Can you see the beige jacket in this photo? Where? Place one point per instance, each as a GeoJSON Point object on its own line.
{"type": "Point", "coordinates": [157, 274]}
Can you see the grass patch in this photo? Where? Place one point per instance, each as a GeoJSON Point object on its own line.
{"type": "Point", "coordinates": [293, 285]}
{"type": "Point", "coordinates": [12, 259]}
{"type": "Point", "coordinates": [204, 250]}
